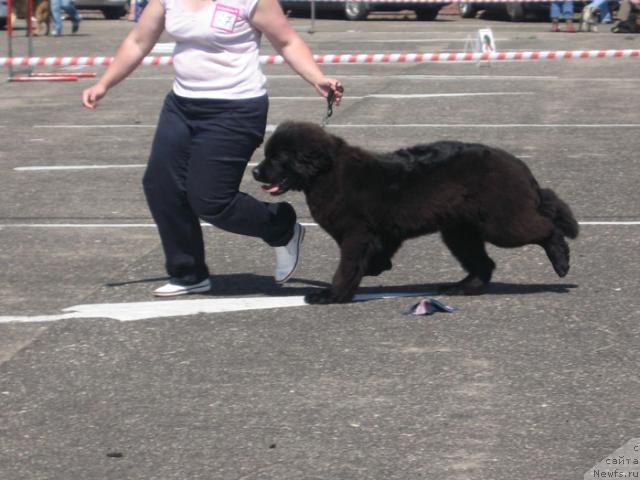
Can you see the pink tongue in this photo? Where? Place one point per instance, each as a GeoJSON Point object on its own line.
{"type": "Point", "coordinates": [270, 188]}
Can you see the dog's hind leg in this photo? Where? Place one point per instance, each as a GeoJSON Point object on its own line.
{"type": "Point", "coordinates": [467, 245]}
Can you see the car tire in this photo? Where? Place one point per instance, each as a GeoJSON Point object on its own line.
{"type": "Point", "coordinates": [515, 11]}
{"type": "Point", "coordinates": [467, 10]}
{"type": "Point", "coordinates": [114, 13]}
{"type": "Point", "coordinates": [356, 10]}
{"type": "Point", "coordinates": [427, 14]}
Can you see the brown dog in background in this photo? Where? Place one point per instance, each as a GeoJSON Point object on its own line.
{"type": "Point", "coordinates": [42, 17]}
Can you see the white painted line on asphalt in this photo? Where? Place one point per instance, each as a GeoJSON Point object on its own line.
{"type": "Point", "coordinates": [134, 125]}
{"type": "Point", "coordinates": [609, 223]}
{"type": "Point", "coordinates": [148, 225]}
{"type": "Point", "coordinates": [170, 47]}
{"type": "Point", "coordinates": [409, 95]}
{"type": "Point", "coordinates": [272, 127]}
{"type": "Point", "coordinates": [76, 167]}
{"type": "Point", "coordinates": [250, 164]}
{"type": "Point", "coordinates": [309, 97]}
{"type": "Point", "coordinates": [100, 225]}
{"type": "Point", "coordinates": [480, 125]}
{"type": "Point", "coordinates": [436, 77]}
{"type": "Point", "coordinates": [436, 95]}
{"type": "Point", "coordinates": [420, 40]}
{"type": "Point", "coordinates": [420, 77]}
{"type": "Point", "coordinates": [80, 225]}
{"type": "Point", "coordinates": [44, 168]}
{"type": "Point", "coordinates": [128, 312]}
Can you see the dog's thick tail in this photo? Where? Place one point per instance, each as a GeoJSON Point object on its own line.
{"type": "Point", "coordinates": [551, 206]}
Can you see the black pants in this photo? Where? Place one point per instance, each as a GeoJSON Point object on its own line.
{"type": "Point", "coordinates": [198, 157]}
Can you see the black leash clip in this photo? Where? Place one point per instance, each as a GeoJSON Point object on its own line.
{"type": "Point", "coordinates": [330, 99]}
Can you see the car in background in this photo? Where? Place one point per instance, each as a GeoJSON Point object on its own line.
{"type": "Point", "coordinates": [111, 9]}
{"type": "Point", "coordinates": [3, 14]}
{"type": "Point", "coordinates": [359, 10]}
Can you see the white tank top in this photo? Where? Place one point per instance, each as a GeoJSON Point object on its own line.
{"type": "Point", "coordinates": [217, 53]}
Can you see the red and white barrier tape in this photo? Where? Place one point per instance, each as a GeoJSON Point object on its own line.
{"type": "Point", "coordinates": [460, 57]}
{"type": "Point", "coordinates": [351, 58]}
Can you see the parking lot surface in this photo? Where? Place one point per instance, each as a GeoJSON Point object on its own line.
{"type": "Point", "coordinates": [537, 379]}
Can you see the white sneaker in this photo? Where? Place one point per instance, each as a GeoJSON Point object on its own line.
{"type": "Point", "coordinates": [287, 256]}
{"type": "Point", "coordinates": [173, 290]}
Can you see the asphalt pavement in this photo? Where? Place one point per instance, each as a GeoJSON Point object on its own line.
{"type": "Point", "coordinates": [537, 379]}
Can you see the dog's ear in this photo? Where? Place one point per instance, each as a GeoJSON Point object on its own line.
{"type": "Point", "coordinates": [313, 158]}
{"type": "Point", "coordinates": [320, 151]}
{"type": "Point", "coordinates": [311, 147]}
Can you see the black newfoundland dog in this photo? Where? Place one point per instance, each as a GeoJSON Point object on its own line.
{"type": "Point", "coordinates": [371, 202]}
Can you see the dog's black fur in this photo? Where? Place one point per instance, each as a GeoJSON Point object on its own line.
{"type": "Point", "coordinates": [370, 203]}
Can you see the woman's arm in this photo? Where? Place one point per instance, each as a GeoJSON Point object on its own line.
{"type": "Point", "coordinates": [270, 20]}
{"type": "Point", "coordinates": [132, 50]}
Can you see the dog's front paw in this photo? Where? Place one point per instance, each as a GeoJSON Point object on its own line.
{"type": "Point", "coordinates": [327, 295]}
{"type": "Point", "coordinates": [321, 297]}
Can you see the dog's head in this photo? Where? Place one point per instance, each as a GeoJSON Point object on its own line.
{"type": "Point", "coordinates": [295, 155]}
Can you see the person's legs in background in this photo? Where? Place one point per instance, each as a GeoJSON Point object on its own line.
{"type": "Point", "coordinates": [69, 6]}
{"type": "Point", "coordinates": [56, 15]}
{"type": "Point", "coordinates": [603, 7]}
{"type": "Point", "coordinates": [566, 11]}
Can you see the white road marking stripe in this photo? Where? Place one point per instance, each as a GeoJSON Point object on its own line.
{"type": "Point", "coordinates": [309, 97]}
{"type": "Point", "coordinates": [437, 77]}
{"type": "Point", "coordinates": [272, 127]}
{"type": "Point", "coordinates": [409, 95]}
{"type": "Point", "coordinates": [76, 167]}
{"type": "Point", "coordinates": [436, 95]}
{"type": "Point", "coordinates": [250, 164]}
{"type": "Point", "coordinates": [136, 125]}
{"type": "Point", "coordinates": [170, 47]}
{"type": "Point", "coordinates": [41, 168]}
{"type": "Point", "coordinates": [148, 225]}
{"type": "Point", "coordinates": [420, 40]}
{"type": "Point", "coordinates": [609, 223]}
{"type": "Point", "coordinates": [497, 125]}
{"type": "Point", "coordinates": [79, 225]}
{"type": "Point", "coordinates": [416, 76]}
{"type": "Point", "coordinates": [128, 312]}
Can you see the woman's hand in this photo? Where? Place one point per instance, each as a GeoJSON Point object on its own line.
{"type": "Point", "coordinates": [91, 95]}
{"type": "Point", "coordinates": [326, 84]}
{"type": "Point", "coordinates": [269, 19]}
{"type": "Point", "coordinates": [131, 51]}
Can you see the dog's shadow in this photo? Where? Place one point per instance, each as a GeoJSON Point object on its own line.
{"type": "Point", "coordinates": [241, 284]}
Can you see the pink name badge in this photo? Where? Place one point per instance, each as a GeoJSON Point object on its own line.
{"type": "Point", "coordinates": [225, 17]}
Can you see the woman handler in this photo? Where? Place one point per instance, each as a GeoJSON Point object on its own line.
{"type": "Point", "coordinates": [210, 124]}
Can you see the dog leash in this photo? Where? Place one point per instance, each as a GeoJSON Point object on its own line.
{"type": "Point", "coordinates": [330, 99]}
